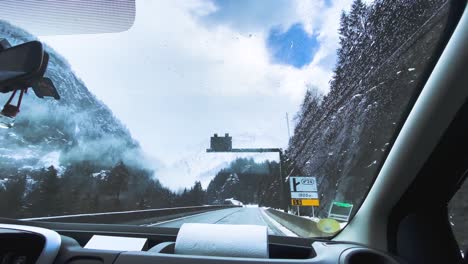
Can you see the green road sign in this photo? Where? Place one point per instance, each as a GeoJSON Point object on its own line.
{"type": "Point", "coordinates": [342, 204]}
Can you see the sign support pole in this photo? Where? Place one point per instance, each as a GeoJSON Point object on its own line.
{"type": "Point", "coordinates": [281, 185]}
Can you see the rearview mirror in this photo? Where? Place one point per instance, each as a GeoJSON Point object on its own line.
{"type": "Point", "coordinates": [45, 87]}
{"type": "Point", "coordinates": [23, 67]}
{"type": "Point", "coordinates": [20, 65]}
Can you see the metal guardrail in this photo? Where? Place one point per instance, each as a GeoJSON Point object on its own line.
{"type": "Point", "coordinates": [301, 226]}
{"type": "Point", "coordinates": [131, 217]}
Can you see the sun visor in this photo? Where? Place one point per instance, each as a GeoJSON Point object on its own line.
{"type": "Point", "coordinates": [58, 17]}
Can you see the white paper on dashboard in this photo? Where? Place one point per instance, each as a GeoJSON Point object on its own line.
{"type": "Point", "coordinates": [116, 243]}
{"type": "Point", "coordinates": [222, 240]}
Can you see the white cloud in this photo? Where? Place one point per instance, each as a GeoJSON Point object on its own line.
{"type": "Point", "coordinates": [173, 79]}
{"type": "Point", "coordinates": [310, 14]}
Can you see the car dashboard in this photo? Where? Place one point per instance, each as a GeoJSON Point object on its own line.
{"type": "Point", "coordinates": [66, 243]}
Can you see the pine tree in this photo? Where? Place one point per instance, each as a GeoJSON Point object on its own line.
{"type": "Point", "coordinates": [12, 197]}
{"type": "Point", "coordinates": [198, 194]}
{"type": "Point", "coordinates": [345, 47]}
{"type": "Point", "coordinates": [117, 182]}
{"type": "Point", "coordinates": [45, 198]}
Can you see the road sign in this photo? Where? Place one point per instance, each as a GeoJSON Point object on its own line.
{"type": "Point", "coordinates": [305, 202]}
{"type": "Point", "coordinates": [304, 195]}
{"type": "Point", "coordinates": [340, 211]}
{"type": "Point", "coordinates": [303, 191]}
{"type": "Point", "coordinates": [221, 144]}
{"type": "Point", "coordinates": [303, 184]}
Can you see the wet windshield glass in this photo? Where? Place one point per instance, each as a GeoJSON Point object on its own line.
{"type": "Point", "coordinates": [235, 112]}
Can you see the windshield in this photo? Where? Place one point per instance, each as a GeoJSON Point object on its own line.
{"type": "Point", "coordinates": [229, 112]}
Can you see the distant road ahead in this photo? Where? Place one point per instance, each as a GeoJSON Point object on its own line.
{"type": "Point", "coordinates": [236, 216]}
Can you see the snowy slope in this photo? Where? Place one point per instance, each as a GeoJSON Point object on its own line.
{"type": "Point", "coordinates": [59, 133]}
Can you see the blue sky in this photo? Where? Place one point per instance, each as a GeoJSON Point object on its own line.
{"type": "Point", "coordinates": [192, 68]}
{"type": "Point", "coordinates": [249, 16]}
{"type": "Point", "coordinates": [294, 47]}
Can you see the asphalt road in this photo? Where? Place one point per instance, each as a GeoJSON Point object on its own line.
{"type": "Point", "coordinates": [235, 216]}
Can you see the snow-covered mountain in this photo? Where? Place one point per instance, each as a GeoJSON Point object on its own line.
{"type": "Point", "coordinates": [202, 166]}
{"type": "Point", "coordinates": [75, 128]}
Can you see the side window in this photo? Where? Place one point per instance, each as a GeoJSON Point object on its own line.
{"type": "Point", "coordinates": [458, 216]}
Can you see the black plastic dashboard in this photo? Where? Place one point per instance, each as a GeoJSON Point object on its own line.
{"type": "Point", "coordinates": [20, 246]}
{"type": "Point", "coordinates": [46, 243]}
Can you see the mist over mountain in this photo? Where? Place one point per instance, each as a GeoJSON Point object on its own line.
{"type": "Point", "coordinates": [198, 165]}
{"type": "Point", "coordinates": [78, 127]}
{"type": "Point", "coordinates": [73, 155]}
